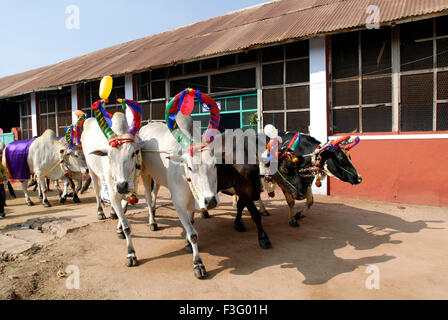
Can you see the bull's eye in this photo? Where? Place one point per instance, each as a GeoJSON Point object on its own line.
{"type": "Point", "coordinates": [189, 168]}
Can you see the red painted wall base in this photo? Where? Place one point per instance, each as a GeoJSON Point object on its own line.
{"type": "Point", "coordinates": [405, 171]}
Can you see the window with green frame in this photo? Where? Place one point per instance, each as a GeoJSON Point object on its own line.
{"type": "Point", "coordinates": [233, 109]}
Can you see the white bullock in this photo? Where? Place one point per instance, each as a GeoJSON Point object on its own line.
{"type": "Point", "coordinates": [112, 155]}
{"type": "Point", "coordinates": [190, 176]}
{"type": "Point", "coordinates": [49, 158]}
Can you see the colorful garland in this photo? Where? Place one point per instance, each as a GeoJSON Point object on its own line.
{"type": "Point", "coordinates": [136, 112]}
{"type": "Point", "coordinates": [103, 118]}
{"type": "Point", "coordinates": [184, 102]}
{"type": "Point", "coordinates": [344, 143]}
{"type": "Point", "coordinates": [73, 132]}
{"type": "Point", "coordinates": [294, 142]}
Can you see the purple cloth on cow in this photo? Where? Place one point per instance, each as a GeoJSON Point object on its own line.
{"type": "Point", "coordinates": [16, 154]}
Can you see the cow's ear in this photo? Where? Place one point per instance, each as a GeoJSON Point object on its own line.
{"type": "Point", "coordinates": [101, 153]}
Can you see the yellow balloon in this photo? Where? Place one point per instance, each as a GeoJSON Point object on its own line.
{"type": "Point", "coordinates": [105, 87]}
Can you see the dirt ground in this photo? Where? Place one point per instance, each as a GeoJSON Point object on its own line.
{"type": "Point", "coordinates": [327, 257]}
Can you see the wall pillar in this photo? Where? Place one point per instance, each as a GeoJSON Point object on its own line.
{"type": "Point", "coordinates": [33, 115]}
{"type": "Point", "coordinates": [129, 94]}
{"type": "Point", "coordinates": [318, 97]}
{"type": "Point", "coordinates": [74, 91]}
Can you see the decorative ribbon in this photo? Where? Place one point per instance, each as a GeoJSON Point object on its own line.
{"type": "Point", "coordinates": [136, 112]}
{"type": "Point", "coordinates": [294, 142]}
{"type": "Point", "coordinates": [103, 118]}
{"type": "Point", "coordinates": [73, 132]}
{"type": "Point", "coordinates": [184, 102]}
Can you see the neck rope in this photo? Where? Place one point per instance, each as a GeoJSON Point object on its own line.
{"type": "Point", "coordinates": [190, 182]}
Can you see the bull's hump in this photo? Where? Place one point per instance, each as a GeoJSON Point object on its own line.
{"type": "Point", "coordinates": [119, 123]}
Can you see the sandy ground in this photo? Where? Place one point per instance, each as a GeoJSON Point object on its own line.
{"type": "Point", "coordinates": [327, 257]}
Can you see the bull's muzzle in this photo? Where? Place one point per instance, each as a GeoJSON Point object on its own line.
{"type": "Point", "coordinates": [211, 202]}
{"type": "Point", "coordinates": [122, 187]}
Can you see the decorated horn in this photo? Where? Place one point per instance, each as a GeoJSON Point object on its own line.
{"type": "Point", "coordinates": [184, 102]}
{"type": "Point", "coordinates": [103, 118]}
{"type": "Point", "coordinates": [136, 112]}
{"type": "Point", "coordinates": [73, 133]}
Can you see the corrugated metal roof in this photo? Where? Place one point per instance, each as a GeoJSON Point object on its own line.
{"type": "Point", "coordinates": [264, 24]}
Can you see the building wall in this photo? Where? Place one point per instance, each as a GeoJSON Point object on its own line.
{"type": "Point", "coordinates": [405, 171]}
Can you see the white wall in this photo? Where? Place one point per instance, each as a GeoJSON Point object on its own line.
{"type": "Point", "coordinates": [318, 98]}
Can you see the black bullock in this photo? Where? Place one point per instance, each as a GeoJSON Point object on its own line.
{"type": "Point", "coordinates": [328, 161]}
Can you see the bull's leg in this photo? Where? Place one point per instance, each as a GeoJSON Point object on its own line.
{"type": "Point", "coordinates": [73, 187]}
{"type": "Point", "coordinates": [120, 233]}
{"type": "Point", "coordinates": [79, 180]}
{"type": "Point", "coordinates": [11, 190]}
{"type": "Point", "coordinates": [24, 185]}
{"type": "Point", "coordinates": [42, 184]}
{"type": "Point", "coordinates": [188, 246]}
{"type": "Point", "coordinates": [262, 208]}
{"type": "Point", "coordinates": [239, 225]}
{"type": "Point", "coordinates": [235, 201]}
{"type": "Point", "coordinates": [309, 203]}
{"type": "Point", "coordinates": [149, 200]}
{"type": "Point", "coordinates": [97, 190]}
{"type": "Point", "coordinates": [86, 184]}
{"type": "Point", "coordinates": [290, 200]}
{"type": "Point", "coordinates": [155, 191]}
{"type": "Point", "coordinates": [115, 198]}
{"type": "Point", "coordinates": [61, 193]}
{"type": "Point", "coordinates": [192, 236]}
{"type": "Point", "coordinates": [263, 238]}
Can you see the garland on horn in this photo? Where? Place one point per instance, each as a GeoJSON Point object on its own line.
{"type": "Point", "coordinates": [73, 132]}
{"type": "Point", "coordinates": [184, 102]}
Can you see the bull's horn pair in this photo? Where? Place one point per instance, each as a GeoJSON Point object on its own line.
{"type": "Point", "coordinates": [184, 102]}
{"type": "Point", "coordinates": [104, 118]}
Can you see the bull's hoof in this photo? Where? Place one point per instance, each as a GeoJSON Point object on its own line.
{"type": "Point", "coordinates": [62, 200]}
{"type": "Point", "coordinates": [265, 213]}
{"type": "Point", "coordinates": [299, 215]}
{"type": "Point", "coordinates": [131, 261]}
{"type": "Point", "coordinates": [47, 204]}
{"type": "Point", "coordinates": [100, 216]}
{"type": "Point", "coordinates": [264, 241]}
{"type": "Point", "coordinates": [76, 199]}
{"type": "Point", "coordinates": [188, 247]}
{"type": "Point", "coordinates": [205, 214]}
{"type": "Point", "coordinates": [199, 271]}
{"type": "Point", "coordinates": [30, 203]}
{"type": "Point", "coordinates": [153, 227]}
{"type": "Point", "coordinates": [239, 226]}
{"type": "Point", "coordinates": [120, 235]}
{"type": "Point", "coordinates": [113, 216]}
{"type": "Point", "coordinates": [294, 223]}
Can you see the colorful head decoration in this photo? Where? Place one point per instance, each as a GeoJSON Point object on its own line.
{"type": "Point", "coordinates": [73, 132]}
{"type": "Point", "coordinates": [344, 143]}
{"type": "Point", "coordinates": [104, 118]}
{"type": "Point", "coordinates": [136, 112]}
{"type": "Point", "coordinates": [184, 102]}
